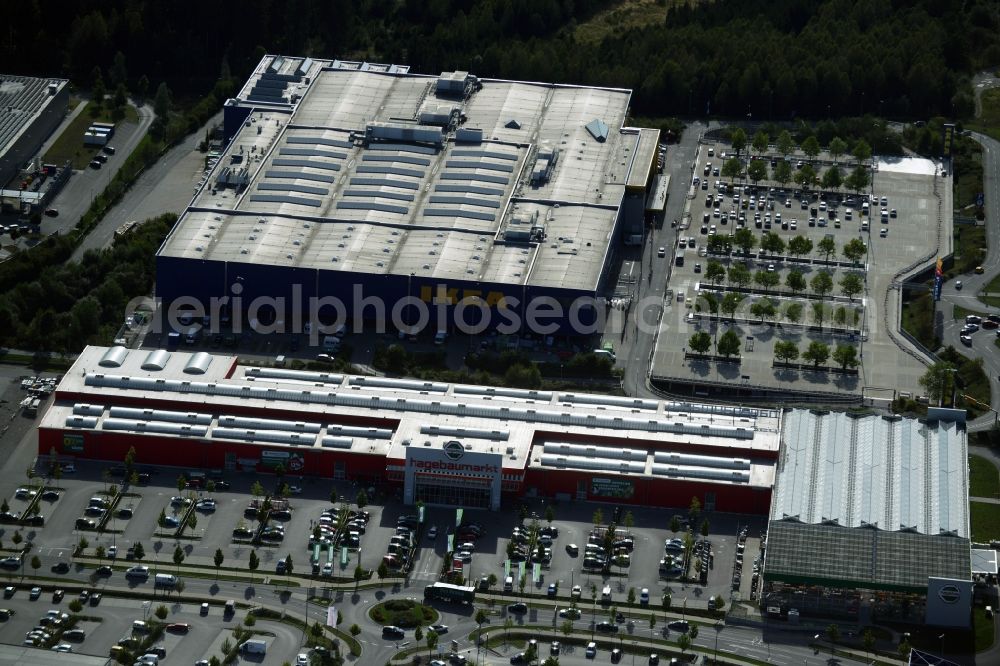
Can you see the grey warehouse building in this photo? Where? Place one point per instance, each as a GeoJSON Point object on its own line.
{"type": "Point", "coordinates": [30, 109]}
{"type": "Point", "coordinates": [870, 519]}
{"type": "Point", "coordinates": [358, 180]}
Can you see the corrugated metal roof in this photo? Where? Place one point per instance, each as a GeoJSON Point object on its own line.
{"type": "Point", "coordinates": [894, 474]}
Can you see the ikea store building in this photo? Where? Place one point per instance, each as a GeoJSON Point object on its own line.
{"type": "Point", "coordinates": [357, 181]}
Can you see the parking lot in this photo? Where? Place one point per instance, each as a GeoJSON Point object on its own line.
{"type": "Point", "coordinates": [203, 636]}
{"type": "Point", "coordinates": [802, 310]}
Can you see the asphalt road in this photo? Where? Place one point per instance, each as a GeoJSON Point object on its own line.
{"type": "Point", "coordinates": [635, 346]}
{"type": "Point", "coordinates": [81, 188]}
{"type": "Point", "coordinates": [166, 187]}
{"type": "Point", "coordinates": [982, 341]}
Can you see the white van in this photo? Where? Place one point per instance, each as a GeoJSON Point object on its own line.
{"type": "Point", "coordinates": [254, 646]}
{"type": "Point", "coordinates": [606, 593]}
{"type": "Point", "coordinates": [508, 584]}
{"type": "Point", "coordinates": [605, 353]}
{"type": "Point", "coordinates": [165, 580]}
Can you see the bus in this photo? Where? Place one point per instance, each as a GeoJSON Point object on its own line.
{"type": "Point", "coordinates": [447, 592]}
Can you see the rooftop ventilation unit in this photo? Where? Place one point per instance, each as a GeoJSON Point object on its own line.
{"type": "Point", "coordinates": [446, 115]}
{"type": "Point", "coordinates": [545, 164]}
{"type": "Point", "coordinates": [456, 84]}
{"type": "Point", "coordinates": [405, 133]}
{"type": "Point", "coordinates": [469, 135]}
{"type": "Point", "coordinates": [598, 129]}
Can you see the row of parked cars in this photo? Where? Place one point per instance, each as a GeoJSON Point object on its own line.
{"type": "Point", "coordinates": [973, 323]}
{"type": "Point", "coordinates": [400, 548]}
{"type": "Point", "coordinates": [601, 552]}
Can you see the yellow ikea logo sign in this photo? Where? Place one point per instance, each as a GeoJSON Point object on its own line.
{"type": "Point", "coordinates": [443, 295]}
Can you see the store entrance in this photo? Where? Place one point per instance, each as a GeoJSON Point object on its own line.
{"type": "Point", "coordinates": [457, 492]}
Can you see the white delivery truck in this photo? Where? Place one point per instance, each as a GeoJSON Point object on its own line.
{"type": "Point", "coordinates": [254, 646]}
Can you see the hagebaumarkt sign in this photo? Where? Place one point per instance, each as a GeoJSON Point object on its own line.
{"type": "Point", "coordinates": [73, 443]}
{"type": "Point", "coordinates": [620, 488]}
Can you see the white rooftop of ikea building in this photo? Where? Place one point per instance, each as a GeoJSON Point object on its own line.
{"type": "Point", "coordinates": [318, 195]}
{"type": "Point", "coordinates": [208, 396]}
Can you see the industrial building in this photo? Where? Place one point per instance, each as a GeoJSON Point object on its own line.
{"type": "Point", "coordinates": [473, 446]}
{"type": "Point", "coordinates": [358, 181]}
{"type": "Point", "coordinates": [870, 520]}
{"type": "Point", "coordinates": [30, 110]}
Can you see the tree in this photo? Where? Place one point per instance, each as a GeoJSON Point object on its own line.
{"type": "Point", "coordinates": [854, 249]}
{"type": "Point", "coordinates": [799, 246]}
{"type": "Point", "coordinates": [795, 281]}
{"type": "Point", "coordinates": [161, 102]}
{"type": "Point", "coordinates": [732, 168]}
{"type": "Point", "coordinates": [782, 173]}
{"type": "Point", "coordinates": [760, 141]}
{"type": "Point", "coordinates": [858, 180]}
{"type": "Point", "coordinates": [836, 148]}
{"type": "Point", "coordinates": [566, 627]}
{"type": "Point", "coordinates": [739, 275]}
{"type": "Point", "coordinates": [786, 351]}
{"type": "Point", "coordinates": [418, 633]}
{"type": "Point", "coordinates": [631, 595]}
{"type": "Point", "coordinates": [772, 242]}
{"type": "Point", "coordinates": [731, 302]}
{"type": "Point", "coordinates": [766, 279]}
{"type": "Point", "coordinates": [491, 581]}
{"type": "Point", "coordinates": [763, 309]}
{"type": "Point", "coordinates": [715, 272]}
{"type": "Point", "coordinates": [99, 551]}
{"type": "Point", "coordinates": [806, 176]}
{"type": "Point", "coordinates": [181, 483]}
{"type": "Point", "coordinates": [138, 552]}
{"type": "Point", "coordinates": [142, 88]}
{"type": "Point", "coordinates": [840, 315]}
{"type": "Point", "coordinates": [432, 642]}
{"type": "Point", "coordinates": [833, 179]}
{"type": "Point", "coordinates": [757, 171]}
{"type": "Point", "coordinates": [98, 89]}
{"type": "Point", "coordinates": [827, 247]}
{"type": "Point", "coordinates": [178, 555]}
{"type": "Point", "coordinates": [704, 528]}
{"type": "Point", "coordinates": [257, 490]}
{"type": "Point", "coordinates": [793, 312]}
{"type": "Point", "coordinates": [130, 460]}
{"type": "Point", "coordinates": [744, 239]}
{"type": "Point", "coordinates": [693, 632]}
{"type": "Point", "coordinates": [818, 312]}
{"type": "Point", "coordinates": [937, 379]}
{"type": "Point", "coordinates": [118, 74]}
{"type": "Point", "coordinates": [550, 513]}
{"type": "Point", "coordinates": [833, 633]}
{"type": "Point", "coordinates": [219, 558]}
{"type": "Point", "coordinates": [811, 146]}
{"type": "Point", "coordinates": [904, 649]}
{"type": "Point", "coordinates": [728, 344]}
{"type": "Point", "coordinates": [862, 151]}
{"type": "Point", "coordinates": [817, 353]}
{"type": "Point", "coordinates": [683, 642]}
{"type": "Point", "coordinates": [35, 562]}
{"type": "Point", "coordinates": [675, 525]}
{"type": "Point", "coordinates": [738, 139]}
{"type": "Point", "coordinates": [362, 499]}
{"type": "Point", "coordinates": [253, 564]}
{"type": "Point", "coordinates": [359, 575]}
{"type": "Point", "coordinates": [75, 606]}
{"type": "Point", "coordinates": [481, 616]}
{"type": "Point", "coordinates": [161, 612]}
{"type": "Point", "coordinates": [784, 143]}
{"type": "Point", "coordinates": [851, 285]}
{"type": "Point", "coordinates": [192, 521]}
{"type": "Point", "coordinates": [846, 356]}
{"type": "Point", "coordinates": [700, 342]}
{"type": "Point", "coordinates": [598, 517]}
